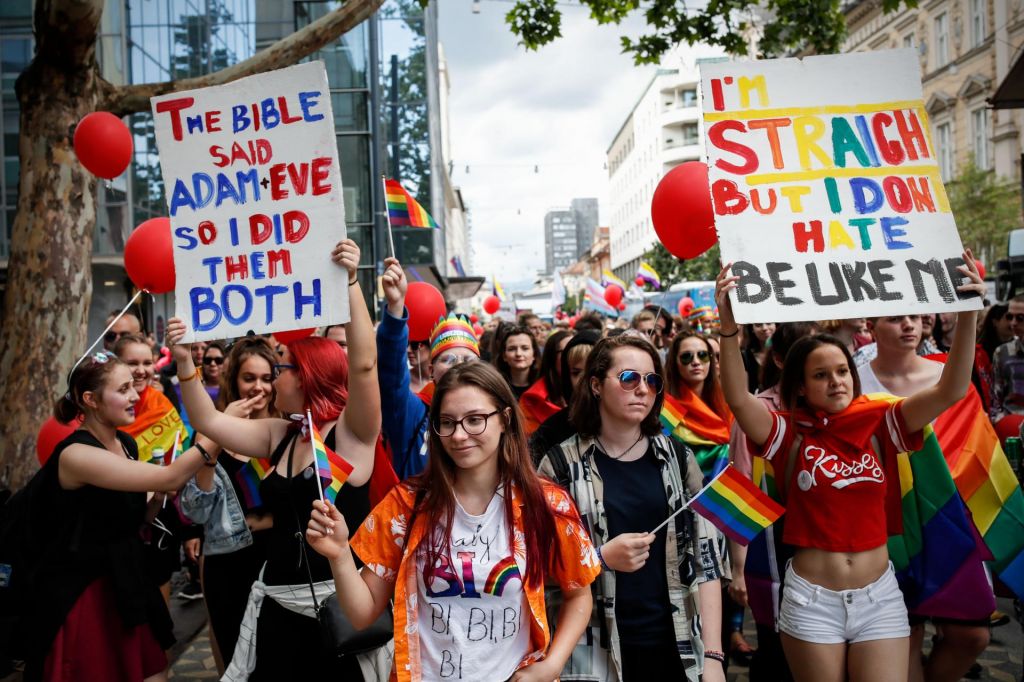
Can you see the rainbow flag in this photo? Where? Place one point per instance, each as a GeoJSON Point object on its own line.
{"type": "Point", "coordinates": [330, 466]}
{"type": "Point", "coordinates": [987, 484]}
{"type": "Point", "coordinates": [497, 289]}
{"type": "Point", "coordinates": [249, 477]}
{"type": "Point", "coordinates": [691, 422]}
{"type": "Point", "coordinates": [403, 210]}
{"type": "Point", "coordinates": [649, 275]}
{"type": "Point", "coordinates": [608, 277]}
{"type": "Point", "coordinates": [736, 506]}
{"type": "Point", "coordinates": [175, 451]}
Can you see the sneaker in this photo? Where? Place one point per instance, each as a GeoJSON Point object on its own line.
{"type": "Point", "coordinates": [998, 618]}
{"type": "Point", "coordinates": [191, 592]}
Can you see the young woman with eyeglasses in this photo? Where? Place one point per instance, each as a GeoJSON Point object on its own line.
{"type": "Point", "coordinates": [627, 477]}
{"type": "Point", "coordinates": [834, 453]}
{"type": "Point", "coordinates": [341, 393]}
{"type": "Point", "coordinates": [95, 613]}
{"type": "Point", "coordinates": [465, 548]}
{"type": "Point", "coordinates": [225, 500]}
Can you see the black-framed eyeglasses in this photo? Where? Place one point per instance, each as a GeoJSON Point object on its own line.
{"type": "Point", "coordinates": [472, 424]}
{"type": "Point", "coordinates": [629, 380]}
{"type": "Point", "coordinates": [276, 370]}
{"type": "Point", "coordinates": [211, 360]}
{"type": "Point", "coordinates": [686, 357]}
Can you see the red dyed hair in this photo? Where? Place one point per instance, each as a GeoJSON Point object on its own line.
{"type": "Point", "coordinates": [435, 486]}
{"type": "Point", "coordinates": [322, 367]}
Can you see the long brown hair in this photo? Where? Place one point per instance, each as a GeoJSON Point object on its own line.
{"type": "Point", "coordinates": [585, 412]}
{"type": "Point", "coordinates": [243, 349]}
{"type": "Point", "coordinates": [435, 486]}
{"type": "Point", "coordinates": [90, 375]}
{"type": "Point", "coordinates": [711, 393]}
{"type": "Point", "coordinates": [502, 364]}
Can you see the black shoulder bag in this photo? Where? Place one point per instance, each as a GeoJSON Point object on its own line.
{"type": "Point", "coordinates": [338, 634]}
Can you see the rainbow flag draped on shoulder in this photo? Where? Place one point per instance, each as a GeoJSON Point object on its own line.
{"type": "Point", "coordinates": [403, 210]}
{"type": "Point", "coordinates": [330, 466]}
{"type": "Point", "coordinates": [690, 421]}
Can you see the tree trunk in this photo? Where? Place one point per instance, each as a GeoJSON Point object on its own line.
{"type": "Point", "coordinates": [49, 281]}
{"type": "Point", "coordinates": [49, 276]}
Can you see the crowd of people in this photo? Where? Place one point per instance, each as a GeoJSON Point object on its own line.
{"type": "Point", "coordinates": [498, 519]}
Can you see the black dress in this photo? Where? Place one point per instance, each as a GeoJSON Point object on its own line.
{"type": "Point", "coordinates": [90, 534]}
{"type": "Point", "coordinates": [288, 645]}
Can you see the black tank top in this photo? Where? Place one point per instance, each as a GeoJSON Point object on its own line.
{"type": "Point", "coordinates": [290, 500]}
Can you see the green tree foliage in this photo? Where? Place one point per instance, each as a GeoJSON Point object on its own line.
{"type": "Point", "coordinates": [785, 24]}
{"type": "Point", "coordinates": [674, 270]}
{"type": "Point", "coordinates": [986, 208]}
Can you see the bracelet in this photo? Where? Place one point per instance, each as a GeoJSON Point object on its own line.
{"type": "Point", "coordinates": [729, 336]}
{"type": "Point", "coordinates": [207, 459]}
{"type": "Point", "coordinates": [715, 655]}
{"type": "Point", "coordinates": [600, 558]}
{"type": "Point", "coordinates": [353, 281]}
{"type": "Point", "coordinates": [195, 375]}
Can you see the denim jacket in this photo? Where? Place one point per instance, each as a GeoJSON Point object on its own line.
{"type": "Point", "coordinates": [219, 511]}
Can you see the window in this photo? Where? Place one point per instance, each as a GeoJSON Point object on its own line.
{"type": "Point", "coordinates": [908, 40]}
{"type": "Point", "coordinates": [979, 138]}
{"type": "Point", "coordinates": [690, 134]}
{"type": "Point", "coordinates": [690, 98]}
{"type": "Point", "coordinates": [941, 40]}
{"type": "Point", "coordinates": [944, 141]}
{"type": "Point", "coordinates": [978, 9]}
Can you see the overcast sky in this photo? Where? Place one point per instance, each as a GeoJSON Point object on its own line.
{"type": "Point", "coordinates": [511, 110]}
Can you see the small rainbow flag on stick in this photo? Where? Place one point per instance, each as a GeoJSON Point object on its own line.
{"type": "Point", "coordinates": [249, 477]}
{"type": "Point", "coordinates": [330, 466]}
{"type": "Point", "coordinates": [175, 450]}
{"type": "Point", "coordinates": [732, 502]}
{"type": "Point", "coordinates": [403, 210]}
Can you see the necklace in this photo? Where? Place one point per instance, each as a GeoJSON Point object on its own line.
{"type": "Point", "coordinates": [623, 453]}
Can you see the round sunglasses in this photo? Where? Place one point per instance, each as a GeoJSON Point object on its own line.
{"type": "Point", "coordinates": [629, 380]}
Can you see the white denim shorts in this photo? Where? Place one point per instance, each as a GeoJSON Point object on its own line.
{"type": "Point", "coordinates": [814, 614]}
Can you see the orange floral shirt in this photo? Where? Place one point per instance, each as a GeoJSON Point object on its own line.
{"type": "Point", "coordinates": [388, 548]}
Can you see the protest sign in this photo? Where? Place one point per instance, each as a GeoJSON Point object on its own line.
{"type": "Point", "coordinates": [826, 188]}
{"type": "Point", "coordinates": [254, 191]}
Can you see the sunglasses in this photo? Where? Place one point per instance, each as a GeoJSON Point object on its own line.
{"type": "Point", "coordinates": [629, 380]}
{"type": "Point", "coordinates": [213, 361]}
{"type": "Point", "coordinates": [113, 337]}
{"type": "Point", "coordinates": [686, 357]}
{"type": "Point", "coordinates": [1019, 317]}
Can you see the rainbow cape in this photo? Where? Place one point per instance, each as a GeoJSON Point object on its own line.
{"type": "Point", "coordinates": [403, 210]}
{"type": "Point", "coordinates": [987, 484]}
{"type": "Point", "coordinates": [691, 422]}
{"type": "Point", "coordinates": [330, 466]}
{"type": "Point", "coordinates": [736, 506]}
{"type": "Point", "coordinates": [156, 424]}
{"type": "Point", "coordinates": [249, 477]}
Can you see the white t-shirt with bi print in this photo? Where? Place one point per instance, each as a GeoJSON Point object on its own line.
{"type": "Point", "coordinates": [472, 624]}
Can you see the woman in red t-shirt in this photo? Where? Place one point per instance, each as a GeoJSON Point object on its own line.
{"type": "Point", "coordinates": [832, 452]}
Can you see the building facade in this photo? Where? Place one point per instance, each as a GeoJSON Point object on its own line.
{"type": "Point", "coordinates": [586, 213]}
{"type": "Point", "coordinates": [966, 48]}
{"type": "Point", "coordinates": [662, 131]}
{"type": "Point", "coordinates": [561, 247]}
{"type": "Point", "coordinates": [386, 121]}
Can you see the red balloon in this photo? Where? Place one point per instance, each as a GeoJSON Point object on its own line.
{"type": "Point", "coordinates": [981, 268]}
{"type": "Point", "coordinates": [639, 281]}
{"type": "Point", "coordinates": [51, 433]}
{"type": "Point", "coordinates": [491, 304]}
{"type": "Point", "coordinates": [685, 305]}
{"type": "Point", "coordinates": [103, 144]}
{"type": "Point", "coordinates": [478, 330]}
{"type": "Point", "coordinates": [622, 306]}
{"type": "Point", "coordinates": [613, 295]}
{"type": "Point", "coordinates": [149, 256]}
{"type": "Point", "coordinates": [426, 305]}
{"type": "Point", "coordinates": [290, 335]}
{"type": "Point", "coordinates": [682, 213]}
{"type": "Point", "coordinates": [473, 318]}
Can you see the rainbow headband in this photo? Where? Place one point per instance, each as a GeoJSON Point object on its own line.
{"type": "Point", "coordinates": [452, 332]}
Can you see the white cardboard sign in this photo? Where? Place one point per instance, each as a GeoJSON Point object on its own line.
{"type": "Point", "coordinates": [826, 188]}
{"type": "Point", "coordinates": [254, 192]}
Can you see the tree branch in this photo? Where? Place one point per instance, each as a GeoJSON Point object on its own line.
{"type": "Point", "coordinates": [129, 99]}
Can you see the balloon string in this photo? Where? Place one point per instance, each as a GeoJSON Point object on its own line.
{"type": "Point", "coordinates": [104, 332]}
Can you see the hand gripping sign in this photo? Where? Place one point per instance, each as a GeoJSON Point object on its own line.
{"type": "Point", "coordinates": [254, 195]}
{"type": "Point", "coordinates": [826, 188]}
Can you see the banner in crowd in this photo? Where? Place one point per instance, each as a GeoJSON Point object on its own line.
{"type": "Point", "coordinates": [826, 188]}
{"type": "Point", "coordinates": [254, 191]}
